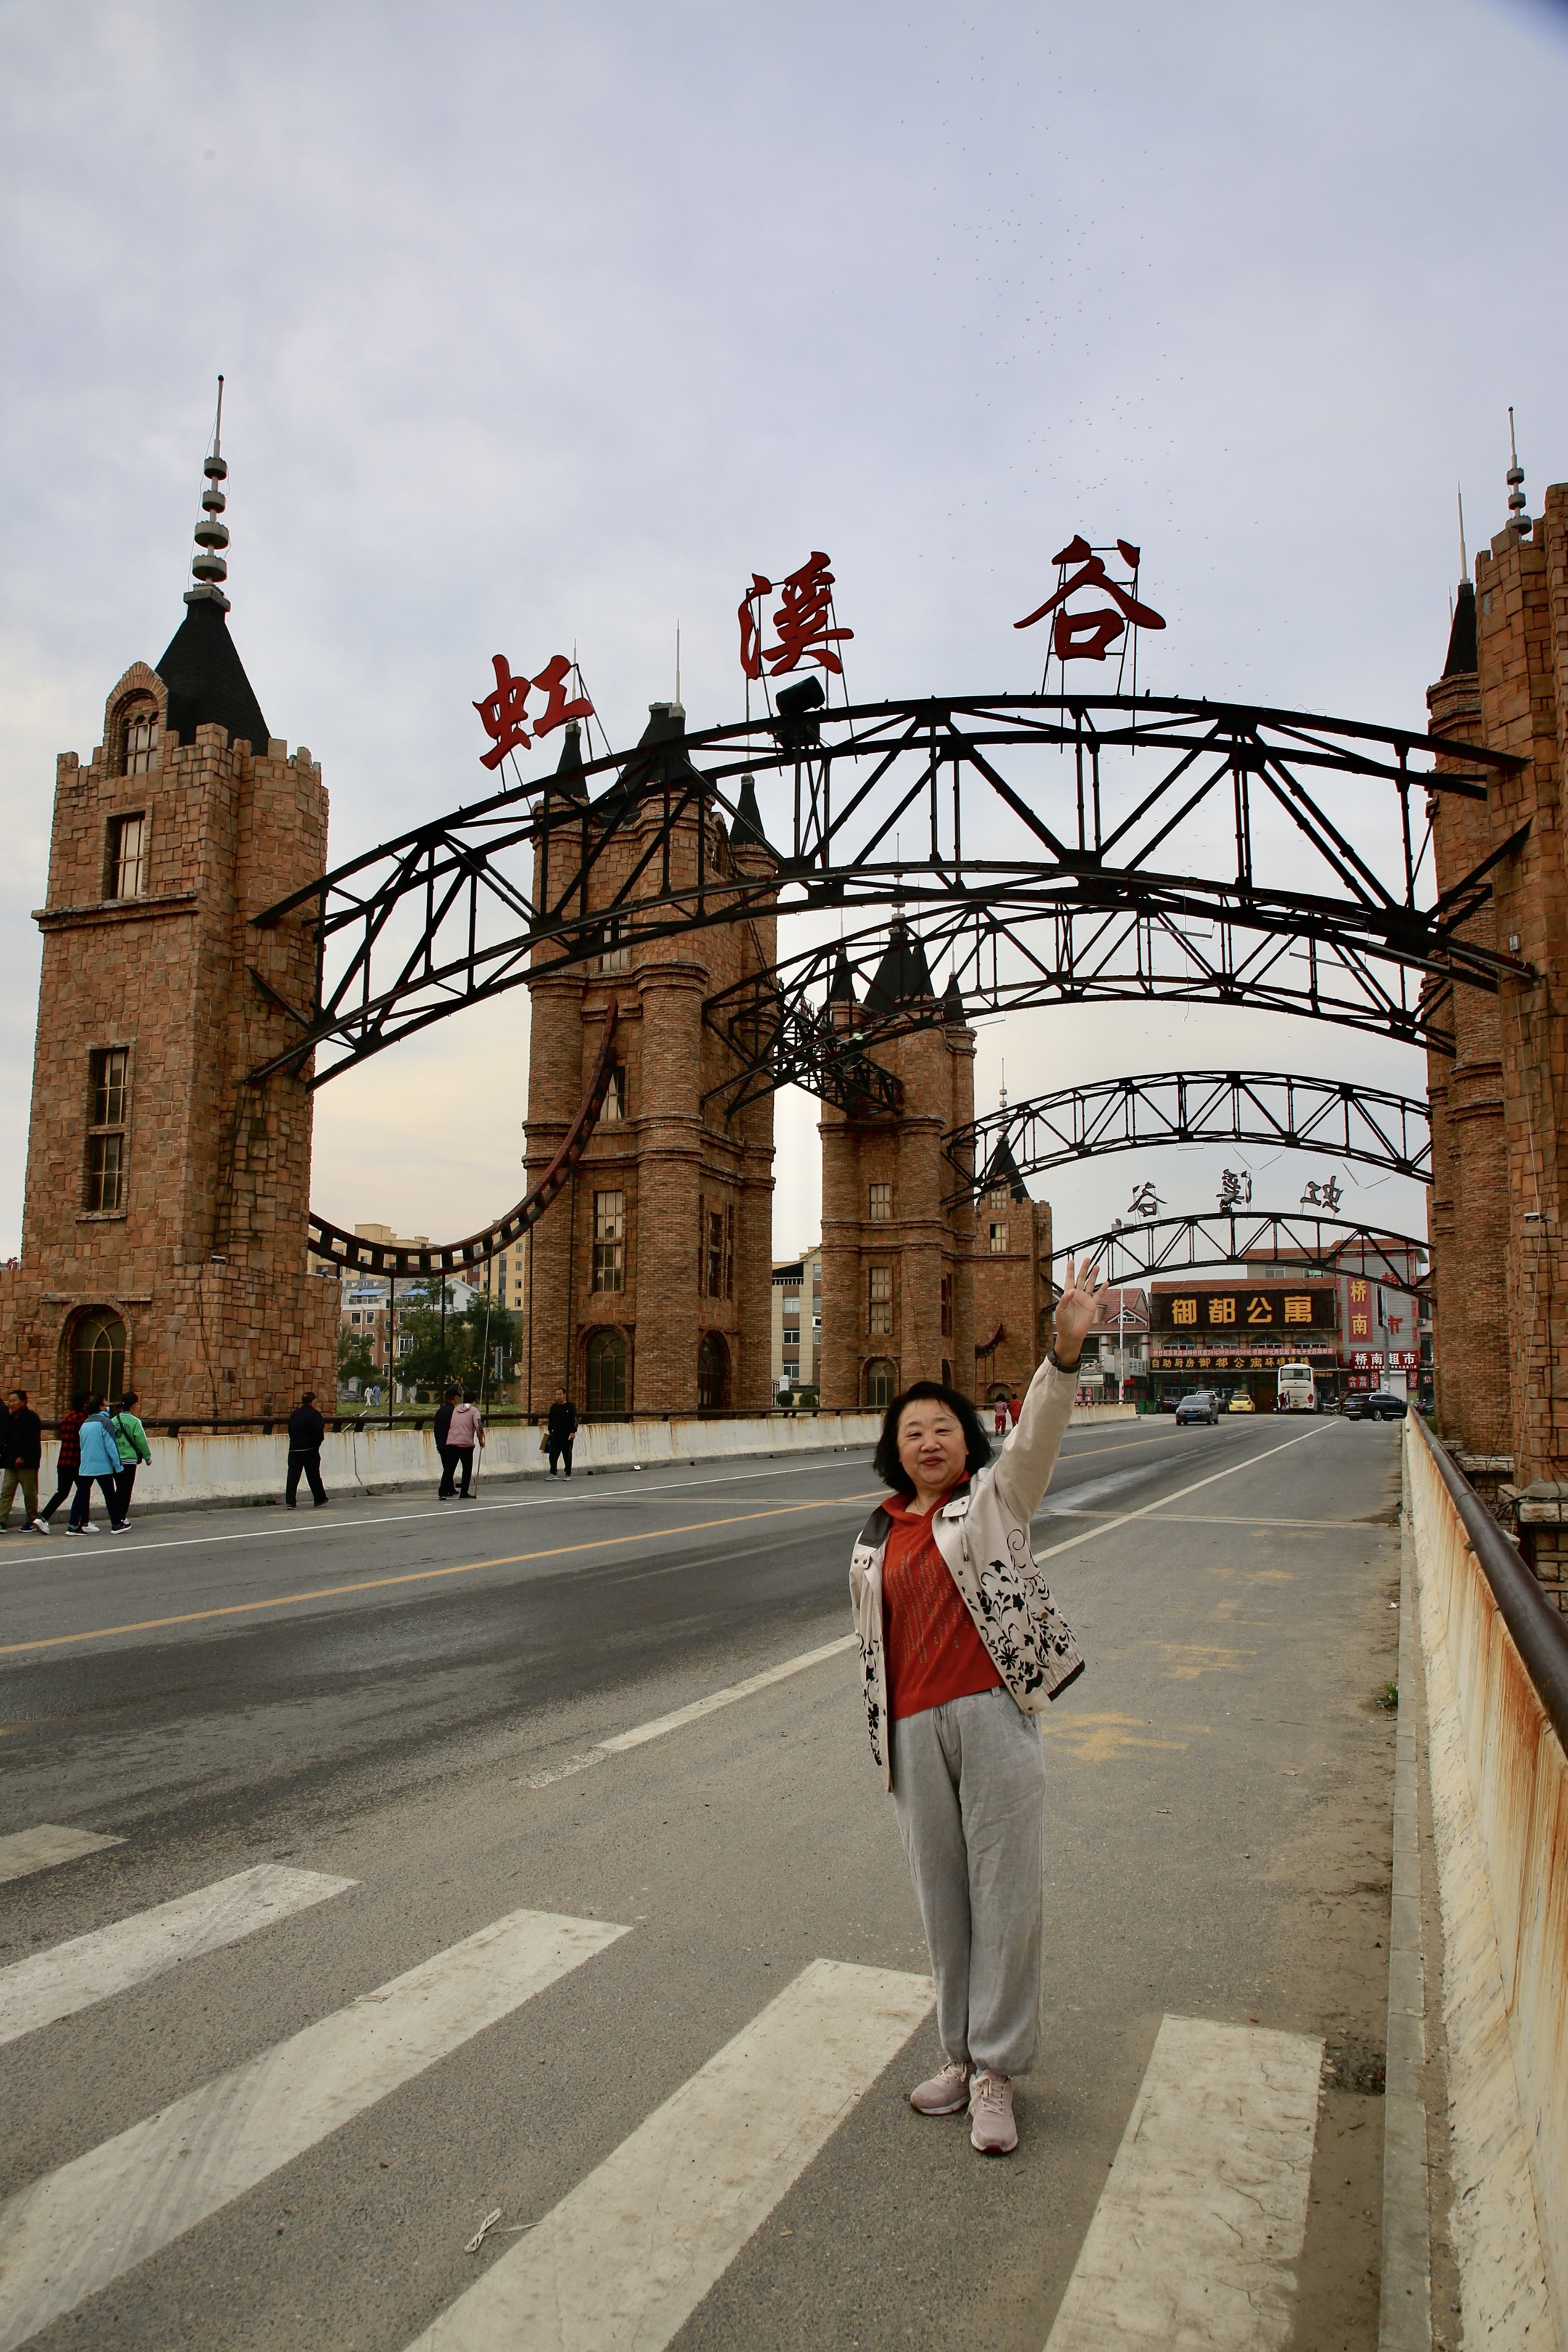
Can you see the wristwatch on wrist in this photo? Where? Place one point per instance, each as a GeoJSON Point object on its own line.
{"type": "Point", "coordinates": [1054, 1359]}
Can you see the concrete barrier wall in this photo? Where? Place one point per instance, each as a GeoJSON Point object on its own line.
{"type": "Point", "coordinates": [243, 1466]}
{"type": "Point", "coordinates": [1500, 1796]}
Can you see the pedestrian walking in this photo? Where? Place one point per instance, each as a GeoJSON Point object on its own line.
{"type": "Point", "coordinates": [999, 1417]}
{"type": "Point", "coordinates": [1014, 1407]}
{"type": "Point", "coordinates": [561, 1431]}
{"type": "Point", "coordinates": [306, 1430]}
{"type": "Point", "coordinates": [68, 1460]}
{"type": "Point", "coordinates": [21, 1450]}
{"type": "Point", "coordinates": [100, 1460]}
{"type": "Point", "coordinates": [447, 1491]}
{"type": "Point", "coordinates": [131, 1442]}
{"type": "Point", "coordinates": [961, 1647]}
{"type": "Point", "coordinates": [464, 1431]}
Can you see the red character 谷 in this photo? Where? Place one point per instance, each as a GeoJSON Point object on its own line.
{"type": "Point", "coordinates": [1089, 636]}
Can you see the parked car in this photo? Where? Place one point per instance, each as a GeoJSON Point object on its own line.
{"type": "Point", "coordinates": [1168, 1401]}
{"type": "Point", "coordinates": [1376, 1404]}
{"type": "Point", "coordinates": [1241, 1403]}
{"type": "Point", "coordinates": [1202, 1405]}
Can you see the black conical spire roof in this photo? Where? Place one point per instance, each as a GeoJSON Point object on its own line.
{"type": "Point", "coordinates": [569, 781]}
{"type": "Point", "coordinates": [841, 988]}
{"type": "Point", "coordinates": [1463, 650]}
{"type": "Point", "coordinates": [206, 681]}
{"type": "Point", "coordinates": [904, 975]}
{"type": "Point", "coordinates": [952, 1011]}
{"type": "Point", "coordinates": [746, 832]}
{"type": "Point", "coordinates": [1004, 1170]}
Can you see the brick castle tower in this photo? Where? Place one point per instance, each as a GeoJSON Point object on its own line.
{"type": "Point", "coordinates": [649, 1287]}
{"type": "Point", "coordinates": [897, 1253]}
{"type": "Point", "coordinates": [1500, 1179]}
{"type": "Point", "coordinates": [164, 1239]}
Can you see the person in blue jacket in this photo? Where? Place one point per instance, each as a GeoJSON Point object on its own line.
{"type": "Point", "coordinates": [100, 1460]}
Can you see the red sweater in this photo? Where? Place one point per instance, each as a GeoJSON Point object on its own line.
{"type": "Point", "coordinates": [933, 1651]}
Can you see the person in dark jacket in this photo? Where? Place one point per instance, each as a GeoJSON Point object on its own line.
{"type": "Point", "coordinates": [561, 1431]}
{"type": "Point", "coordinates": [68, 1460]}
{"type": "Point", "coordinates": [21, 1450]}
{"type": "Point", "coordinates": [306, 1430]}
{"type": "Point", "coordinates": [445, 1492]}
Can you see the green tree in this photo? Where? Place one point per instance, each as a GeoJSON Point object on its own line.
{"type": "Point", "coordinates": [353, 1357]}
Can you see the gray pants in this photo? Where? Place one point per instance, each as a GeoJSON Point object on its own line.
{"type": "Point", "coordinates": [969, 1781]}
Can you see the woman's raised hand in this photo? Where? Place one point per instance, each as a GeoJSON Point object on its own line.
{"type": "Point", "coordinates": [1076, 1308]}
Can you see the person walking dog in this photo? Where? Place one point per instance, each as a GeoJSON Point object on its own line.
{"type": "Point", "coordinates": [130, 1442]}
{"type": "Point", "coordinates": [100, 1459]}
{"type": "Point", "coordinates": [306, 1430]}
{"type": "Point", "coordinates": [561, 1431]}
{"type": "Point", "coordinates": [961, 1647]}
{"type": "Point", "coordinates": [464, 1431]}
{"type": "Point", "coordinates": [23, 1452]}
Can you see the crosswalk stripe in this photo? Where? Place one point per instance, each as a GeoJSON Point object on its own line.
{"type": "Point", "coordinates": [70, 2234]}
{"type": "Point", "coordinates": [627, 2257]}
{"type": "Point", "coordinates": [26, 1851]}
{"type": "Point", "coordinates": [72, 1976]}
{"type": "Point", "coordinates": [1206, 2208]}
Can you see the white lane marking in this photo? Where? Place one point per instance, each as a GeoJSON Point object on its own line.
{"type": "Point", "coordinates": [405, 1518]}
{"type": "Point", "coordinates": [1206, 2206]}
{"type": "Point", "coordinates": [72, 1976]}
{"type": "Point", "coordinates": [641, 1733]}
{"type": "Point", "coordinates": [1092, 1535]}
{"type": "Point", "coordinates": [625, 2258]}
{"type": "Point", "coordinates": [70, 2234]}
{"type": "Point", "coordinates": [26, 1851]}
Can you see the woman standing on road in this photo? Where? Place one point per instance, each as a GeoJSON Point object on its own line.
{"type": "Point", "coordinates": [961, 1646]}
{"type": "Point", "coordinates": [464, 1431]}
{"type": "Point", "coordinates": [100, 1460]}
{"type": "Point", "coordinates": [130, 1442]}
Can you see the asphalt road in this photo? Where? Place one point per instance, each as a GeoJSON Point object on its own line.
{"type": "Point", "coordinates": [416, 1699]}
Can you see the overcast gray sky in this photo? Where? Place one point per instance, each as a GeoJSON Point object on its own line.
{"type": "Point", "coordinates": [548, 325]}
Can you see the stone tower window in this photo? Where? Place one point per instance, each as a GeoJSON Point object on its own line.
{"type": "Point", "coordinates": [881, 1383]}
{"type": "Point", "coordinates": [609, 1240]}
{"type": "Point", "coordinates": [141, 724]}
{"type": "Point", "coordinates": [615, 1108]}
{"type": "Point", "coordinates": [98, 1355]}
{"type": "Point", "coordinates": [109, 1075]}
{"type": "Point", "coordinates": [879, 1302]}
{"type": "Point", "coordinates": [998, 1236]}
{"type": "Point", "coordinates": [946, 1308]}
{"type": "Point", "coordinates": [616, 958]}
{"type": "Point", "coordinates": [126, 863]}
{"type": "Point", "coordinates": [715, 1251]}
{"type": "Point", "coordinates": [881, 1204]}
{"type": "Point", "coordinates": [607, 1368]}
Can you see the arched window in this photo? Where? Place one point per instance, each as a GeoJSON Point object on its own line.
{"type": "Point", "coordinates": [998, 1392]}
{"type": "Point", "coordinates": [712, 1374]}
{"type": "Point", "coordinates": [139, 736]}
{"type": "Point", "coordinates": [881, 1384]}
{"type": "Point", "coordinates": [98, 1355]}
{"type": "Point", "coordinates": [607, 1361]}
{"type": "Point", "coordinates": [946, 1373]}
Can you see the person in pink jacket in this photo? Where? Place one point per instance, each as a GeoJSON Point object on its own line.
{"type": "Point", "coordinates": [464, 1431]}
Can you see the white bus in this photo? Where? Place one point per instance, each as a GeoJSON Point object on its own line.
{"type": "Point", "coordinates": [1298, 1390]}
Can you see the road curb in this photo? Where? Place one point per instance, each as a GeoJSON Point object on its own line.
{"type": "Point", "coordinates": [1405, 2314]}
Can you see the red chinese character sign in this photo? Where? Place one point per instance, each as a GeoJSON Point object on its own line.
{"type": "Point", "coordinates": [805, 620]}
{"type": "Point", "coordinates": [505, 714]}
{"type": "Point", "coordinates": [1089, 635]}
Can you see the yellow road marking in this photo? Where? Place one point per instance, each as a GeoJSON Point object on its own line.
{"type": "Point", "coordinates": [423, 1575]}
{"type": "Point", "coordinates": [1099, 1738]}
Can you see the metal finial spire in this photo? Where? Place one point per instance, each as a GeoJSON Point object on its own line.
{"type": "Point", "coordinates": [1464, 558]}
{"type": "Point", "coordinates": [1004, 1087]}
{"type": "Point", "coordinates": [207, 564]}
{"type": "Point", "coordinates": [1516, 513]}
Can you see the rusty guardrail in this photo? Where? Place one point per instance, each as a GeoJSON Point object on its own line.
{"type": "Point", "coordinates": [1508, 1650]}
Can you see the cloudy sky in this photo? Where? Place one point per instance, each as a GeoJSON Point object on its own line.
{"type": "Point", "coordinates": [546, 326]}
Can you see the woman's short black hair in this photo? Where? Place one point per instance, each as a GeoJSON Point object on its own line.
{"type": "Point", "coordinates": [886, 1462]}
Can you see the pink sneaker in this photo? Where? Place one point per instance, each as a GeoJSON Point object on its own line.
{"type": "Point", "coordinates": [946, 2094]}
{"type": "Point", "coordinates": [991, 2125]}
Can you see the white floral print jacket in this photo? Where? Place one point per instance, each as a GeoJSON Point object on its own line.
{"type": "Point", "coordinates": [983, 1534]}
